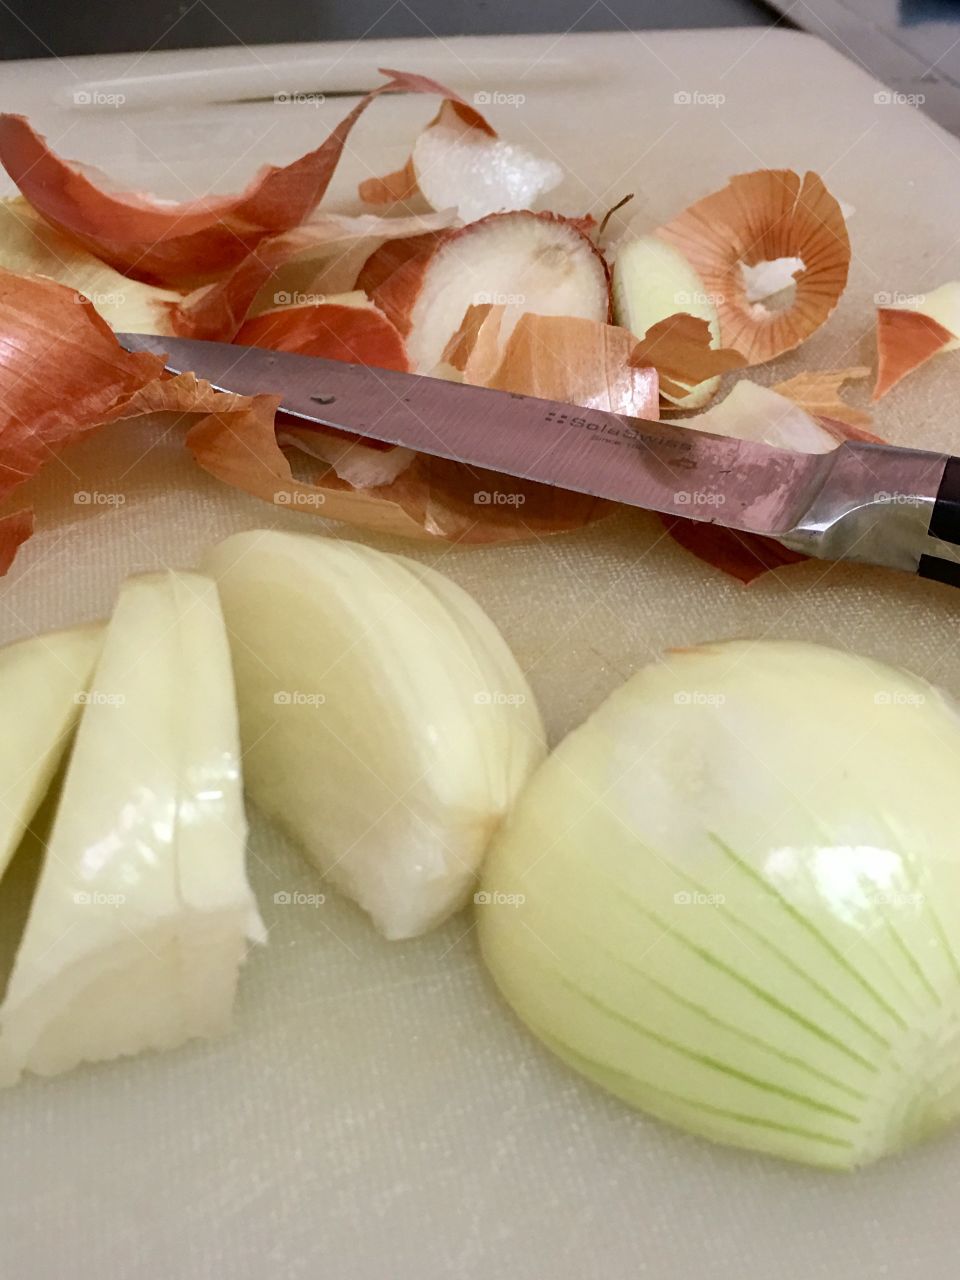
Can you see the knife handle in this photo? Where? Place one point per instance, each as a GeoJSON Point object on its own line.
{"type": "Point", "coordinates": [945, 526]}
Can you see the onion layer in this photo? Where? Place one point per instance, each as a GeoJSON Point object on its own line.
{"type": "Point", "coordinates": [732, 897]}
{"type": "Point", "coordinates": [385, 723]}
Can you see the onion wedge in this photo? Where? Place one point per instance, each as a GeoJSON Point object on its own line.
{"type": "Point", "coordinates": [732, 898]}
{"type": "Point", "coordinates": [142, 914]}
{"type": "Point", "coordinates": [458, 161]}
{"type": "Point", "coordinates": [42, 686]}
{"type": "Point", "coordinates": [385, 723]}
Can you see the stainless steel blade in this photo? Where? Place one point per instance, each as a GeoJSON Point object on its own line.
{"type": "Point", "coordinates": [655, 465]}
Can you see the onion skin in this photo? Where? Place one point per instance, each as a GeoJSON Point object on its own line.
{"type": "Point", "coordinates": [732, 898]}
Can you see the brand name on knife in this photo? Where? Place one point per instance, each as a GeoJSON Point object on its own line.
{"type": "Point", "coordinates": [610, 431]}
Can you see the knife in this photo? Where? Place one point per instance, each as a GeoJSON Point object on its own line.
{"type": "Point", "coordinates": [872, 503]}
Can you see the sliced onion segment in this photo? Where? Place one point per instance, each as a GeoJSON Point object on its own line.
{"type": "Point", "coordinates": [386, 725]}
{"type": "Point", "coordinates": [142, 915]}
{"type": "Point", "coordinates": [42, 685]}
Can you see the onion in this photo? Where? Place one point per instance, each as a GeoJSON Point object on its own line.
{"type": "Point", "coordinates": [732, 897]}
{"type": "Point", "coordinates": [385, 723]}
{"type": "Point", "coordinates": [652, 281]}
{"type": "Point", "coordinates": [42, 681]}
{"type": "Point", "coordinates": [142, 914]}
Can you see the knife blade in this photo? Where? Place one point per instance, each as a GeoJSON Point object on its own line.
{"type": "Point", "coordinates": [877, 504]}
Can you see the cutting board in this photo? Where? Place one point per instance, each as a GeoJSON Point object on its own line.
{"type": "Point", "coordinates": [377, 1112]}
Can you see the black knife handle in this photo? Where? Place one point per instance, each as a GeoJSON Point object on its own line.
{"type": "Point", "coordinates": [945, 521]}
{"type": "Point", "coordinates": [945, 526]}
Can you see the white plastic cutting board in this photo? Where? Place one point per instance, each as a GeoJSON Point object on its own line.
{"type": "Point", "coordinates": [377, 1114]}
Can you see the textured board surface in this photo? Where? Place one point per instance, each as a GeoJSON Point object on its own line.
{"type": "Point", "coordinates": [377, 1112]}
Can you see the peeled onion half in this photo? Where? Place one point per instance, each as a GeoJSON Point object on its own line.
{"type": "Point", "coordinates": [732, 897]}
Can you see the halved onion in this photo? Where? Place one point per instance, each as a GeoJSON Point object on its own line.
{"type": "Point", "coordinates": [385, 723]}
{"type": "Point", "coordinates": [732, 897]}
{"type": "Point", "coordinates": [142, 915]}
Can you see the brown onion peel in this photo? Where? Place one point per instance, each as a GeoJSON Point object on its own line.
{"type": "Point", "coordinates": [905, 341]}
{"type": "Point", "coordinates": [818, 391]}
{"type": "Point", "coordinates": [165, 243]}
{"type": "Point", "coordinates": [760, 217]}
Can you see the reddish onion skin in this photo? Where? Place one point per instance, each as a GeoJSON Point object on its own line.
{"type": "Point", "coordinates": [905, 341]}
{"type": "Point", "coordinates": [357, 335]}
{"type": "Point", "coordinates": [393, 274]}
{"type": "Point", "coordinates": [172, 243]}
{"type": "Point", "coordinates": [62, 373]}
{"type": "Point", "coordinates": [15, 529]}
